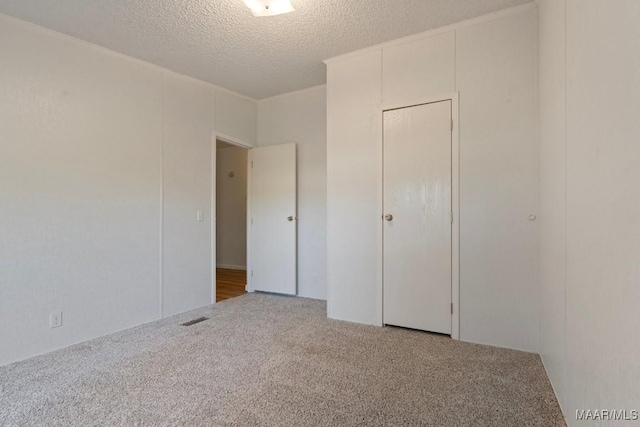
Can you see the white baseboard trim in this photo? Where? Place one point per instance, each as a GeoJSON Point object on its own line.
{"type": "Point", "coordinates": [231, 267]}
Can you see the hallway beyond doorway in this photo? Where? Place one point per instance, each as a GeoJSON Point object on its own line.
{"type": "Point", "coordinates": [230, 283]}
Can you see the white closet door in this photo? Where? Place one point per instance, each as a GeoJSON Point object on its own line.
{"type": "Point", "coordinates": [417, 224]}
{"type": "Point", "coordinates": [273, 215]}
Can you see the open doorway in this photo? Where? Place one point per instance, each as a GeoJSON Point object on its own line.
{"type": "Point", "coordinates": [231, 220]}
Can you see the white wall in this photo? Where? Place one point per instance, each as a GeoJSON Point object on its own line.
{"type": "Point", "coordinates": [590, 343]}
{"type": "Point", "coordinates": [300, 118]}
{"type": "Point", "coordinates": [419, 68]}
{"type": "Point", "coordinates": [79, 197]}
{"type": "Point", "coordinates": [354, 184]}
{"type": "Point", "coordinates": [492, 62]}
{"type": "Point", "coordinates": [496, 74]}
{"type": "Point", "coordinates": [552, 191]}
{"type": "Point", "coordinates": [186, 153]}
{"type": "Point", "coordinates": [89, 224]}
{"type": "Point", "coordinates": [235, 117]}
{"type": "Point", "coordinates": [231, 207]}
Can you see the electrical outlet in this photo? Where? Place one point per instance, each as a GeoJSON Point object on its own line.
{"type": "Point", "coordinates": [55, 319]}
{"type": "Point", "coordinates": [200, 216]}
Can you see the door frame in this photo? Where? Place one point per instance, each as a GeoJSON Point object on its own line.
{"type": "Point", "coordinates": [455, 201]}
{"type": "Point", "coordinates": [215, 136]}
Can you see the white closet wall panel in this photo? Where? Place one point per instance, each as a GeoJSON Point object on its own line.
{"type": "Point", "coordinates": [419, 69]}
{"type": "Point", "coordinates": [354, 159]}
{"type": "Point", "coordinates": [497, 80]}
{"type": "Point", "coordinates": [492, 63]}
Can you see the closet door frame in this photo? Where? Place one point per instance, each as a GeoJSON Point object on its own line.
{"type": "Point", "coordinates": [455, 202]}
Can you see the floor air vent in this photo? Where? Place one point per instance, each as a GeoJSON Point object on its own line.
{"type": "Point", "coordinates": [194, 321]}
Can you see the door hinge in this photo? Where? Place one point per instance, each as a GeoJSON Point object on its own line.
{"type": "Point", "coordinates": [251, 273]}
{"type": "Point", "coordinates": [251, 164]}
{"type": "Point", "coordinates": [451, 125]}
{"type": "Point", "coordinates": [451, 215]}
{"type": "Point", "coordinates": [451, 308]}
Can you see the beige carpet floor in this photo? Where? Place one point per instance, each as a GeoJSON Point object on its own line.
{"type": "Point", "coordinates": [264, 360]}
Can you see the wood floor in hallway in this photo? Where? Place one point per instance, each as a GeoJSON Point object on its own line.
{"type": "Point", "coordinates": [230, 283]}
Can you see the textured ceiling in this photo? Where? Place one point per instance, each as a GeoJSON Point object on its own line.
{"type": "Point", "coordinates": [221, 42]}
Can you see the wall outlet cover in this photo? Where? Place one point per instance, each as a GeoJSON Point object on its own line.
{"type": "Point", "coordinates": [55, 319]}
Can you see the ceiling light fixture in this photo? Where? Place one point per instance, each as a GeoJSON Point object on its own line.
{"type": "Point", "coordinates": [269, 7]}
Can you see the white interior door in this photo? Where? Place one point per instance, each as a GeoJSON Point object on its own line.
{"type": "Point", "coordinates": [273, 218]}
{"type": "Point", "coordinates": [417, 217]}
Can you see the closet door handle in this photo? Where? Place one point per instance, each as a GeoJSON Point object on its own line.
{"type": "Point", "coordinates": [388, 217]}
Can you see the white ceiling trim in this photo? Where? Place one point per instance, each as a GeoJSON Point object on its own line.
{"type": "Point", "coordinates": [294, 93]}
{"type": "Point", "coordinates": [120, 55]}
{"type": "Point", "coordinates": [219, 41]}
{"type": "Point", "coordinates": [430, 33]}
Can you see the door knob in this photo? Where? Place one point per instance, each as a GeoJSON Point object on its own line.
{"type": "Point", "coordinates": [388, 217]}
{"type": "Point", "coordinates": [290, 218]}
